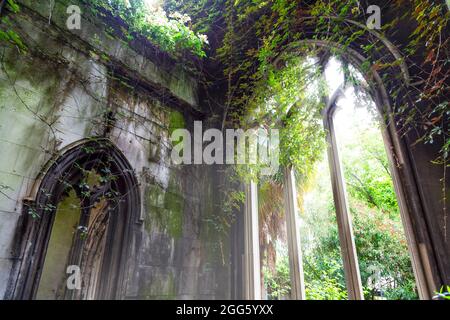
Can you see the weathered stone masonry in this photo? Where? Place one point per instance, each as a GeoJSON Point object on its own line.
{"type": "Point", "coordinates": [74, 86]}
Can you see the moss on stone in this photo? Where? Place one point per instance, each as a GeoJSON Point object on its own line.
{"type": "Point", "coordinates": [176, 121]}
{"type": "Point", "coordinates": [174, 210]}
{"type": "Point", "coordinates": [165, 208]}
{"type": "Point", "coordinates": [163, 287]}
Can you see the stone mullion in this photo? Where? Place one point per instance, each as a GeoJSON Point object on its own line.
{"type": "Point", "coordinates": [347, 241]}
{"type": "Point", "coordinates": [251, 250]}
{"type": "Point", "coordinates": [293, 236]}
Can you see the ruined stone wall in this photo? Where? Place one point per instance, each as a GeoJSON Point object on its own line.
{"type": "Point", "coordinates": [70, 87]}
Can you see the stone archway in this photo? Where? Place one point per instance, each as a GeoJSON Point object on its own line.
{"type": "Point", "coordinates": [100, 246]}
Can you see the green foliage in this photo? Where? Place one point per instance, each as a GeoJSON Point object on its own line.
{"type": "Point", "coordinates": [7, 33]}
{"type": "Point", "coordinates": [381, 246]}
{"type": "Point", "coordinates": [367, 172]}
{"type": "Point", "coordinates": [278, 282]}
{"type": "Point", "coordinates": [258, 32]}
{"type": "Point", "coordinates": [13, 6]}
{"type": "Point", "coordinates": [380, 242]}
{"type": "Point", "coordinates": [324, 281]}
{"type": "Point", "coordinates": [444, 293]}
{"type": "Point", "coordinates": [234, 201]}
{"type": "Point", "coordinates": [290, 100]}
{"type": "Point", "coordinates": [170, 32]}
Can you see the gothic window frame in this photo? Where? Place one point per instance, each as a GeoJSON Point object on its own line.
{"type": "Point", "coordinates": [395, 153]}
{"type": "Point", "coordinates": [33, 235]}
{"type": "Point", "coordinates": [403, 181]}
{"type": "Point", "coordinates": [401, 175]}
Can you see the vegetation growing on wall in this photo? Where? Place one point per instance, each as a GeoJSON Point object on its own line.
{"type": "Point", "coordinates": [169, 31]}
{"type": "Point", "coordinates": [259, 39]}
{"type": "Point", "coordinates": [265, 79]}
{"type": "Point", "coordinates": [8, 34]}
{"type": "Point", "coordinates": [257, 32]}
{"type": "Point", "coordinates": [260, 72]}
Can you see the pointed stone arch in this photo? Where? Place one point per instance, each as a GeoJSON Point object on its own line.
{"type": "Point", "coordinates": [118, 187]}
{"type": "Point", "coordinates": [428, 268]}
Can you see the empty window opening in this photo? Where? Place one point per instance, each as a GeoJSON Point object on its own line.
{"type": "Point", "coordinates": [384, 262]}
{"type": "Point", "coordinates": [352, 238]}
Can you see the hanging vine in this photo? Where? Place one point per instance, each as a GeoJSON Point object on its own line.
{"type": "Point", "coordinates": [257, 32]}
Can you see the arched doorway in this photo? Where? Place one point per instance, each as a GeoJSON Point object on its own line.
{"type": "Point", "coordinates": [75, 236]}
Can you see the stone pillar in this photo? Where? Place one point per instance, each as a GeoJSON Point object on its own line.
{"type": "Point", "coordinates": [293, 236]}
{"type": "Point", "coordinates": [347, 241]}
{"type": "Point", "coordinates": [252, 266]}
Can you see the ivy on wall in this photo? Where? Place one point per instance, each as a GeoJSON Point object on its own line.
{"type": "Point", "coordinates": [257, 32]}
{"type": "Point", "coordinates": [8, 34]}
{"type": "Point", "coordinates": [252, 46]}
{"type": "Point", "coordinates": [250, 36]}
{"type": "Point", "coordinates": [169, 31]}
{"type": "Point", "coordinates": [251, 42]}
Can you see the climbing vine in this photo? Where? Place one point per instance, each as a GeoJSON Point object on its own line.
{"type": "Point", "coordinates": [169, 31]}
{"type": "Point", "coordinates": [261, 49]}
{"type": "Point", "coordinates": [8, 34]}
{"type": "Point", "coordinates": [252, 42]}
{"type": "Point", "coordinates": [257, 32]}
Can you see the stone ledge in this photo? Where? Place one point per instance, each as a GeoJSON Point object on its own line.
{"type": "Point", "coordinates": [168, 76]}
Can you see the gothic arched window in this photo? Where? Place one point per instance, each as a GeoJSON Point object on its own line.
{"type": "Point", "coordinates": [368, 114]}
{"type": "Point", "coordinates": [76, 234]}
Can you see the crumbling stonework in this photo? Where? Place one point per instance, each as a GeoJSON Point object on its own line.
{"type": "Point", "coordinates": [68, 89]}
{"type": "Point", "coordinates": [73, 86]}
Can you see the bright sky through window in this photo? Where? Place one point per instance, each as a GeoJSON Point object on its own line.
{"type": "Point", "coordinates": [153, 4]}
